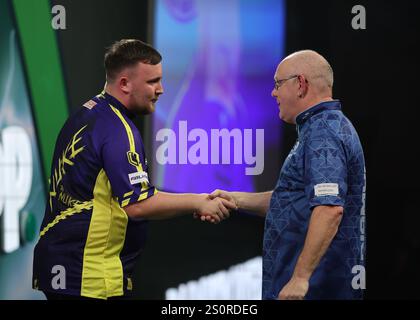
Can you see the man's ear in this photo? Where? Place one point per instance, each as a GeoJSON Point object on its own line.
{"type": "Point", "coordinates": [303, 86]}
{"type": "Point", "coordinates": [124, 84]}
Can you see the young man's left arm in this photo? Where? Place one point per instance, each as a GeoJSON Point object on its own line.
{"type": "Point", "coordinates": [323, 227]}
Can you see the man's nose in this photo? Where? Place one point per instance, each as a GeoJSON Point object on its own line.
{"type": "Point", "coordinates": [273, 93]}
{"type": "Point", "coordinates": [159, 89]}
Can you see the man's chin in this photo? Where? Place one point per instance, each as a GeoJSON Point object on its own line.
{"type": "Point", "coordinates": [151, 109]}
{"type": "Point", "coordinates": [282, 117]}
{"type": "Point", "coordinates": [145, 110]}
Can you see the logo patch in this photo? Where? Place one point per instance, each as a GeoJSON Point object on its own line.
{"type": "Point", "coordinates": [326, 189]}
{"type": "Point", "coordinates": [138, 177]}
{"type": "Point", "coordinates": [90, 104]}
{"type": "Point", "coordinates": [133, 158]}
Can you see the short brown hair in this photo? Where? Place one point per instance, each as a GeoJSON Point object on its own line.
{"type": "Point", "coordinates": [126, 53]}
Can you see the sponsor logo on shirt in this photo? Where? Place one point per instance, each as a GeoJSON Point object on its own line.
{"type": "Point", "coordinates": [138, 177]}
{"type": "Point", "coordinates": [133, 158]}
{"type": "Point", "coordinates": [326, 189]}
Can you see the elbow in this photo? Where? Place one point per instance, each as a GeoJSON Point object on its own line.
{"type": "Point", "coordinates": [336, 213]}
{"type": "Point", "coordinates": [332, 214]}
{"type": "Point", "coordinates": [136, 211]}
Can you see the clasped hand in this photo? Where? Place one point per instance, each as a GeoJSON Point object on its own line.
{"type": "Point", "coordinates": [216, 207]}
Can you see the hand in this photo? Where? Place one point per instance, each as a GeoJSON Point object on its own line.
{"type": "Point", "coordinates": [295, 289]}
{"type": "Point", "coordinates": [218, 194]}
{"type": "Point", "coordinates": [224, 195]}
{"type": "Point", "coordinates": [214, 210]}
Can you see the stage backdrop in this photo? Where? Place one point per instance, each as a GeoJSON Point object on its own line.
{"type": "Point", "coordinates": [22, 192]}
{"type": "Point", "coordinates": [217, 126]}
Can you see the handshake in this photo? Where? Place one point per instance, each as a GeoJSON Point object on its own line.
{"type": "Point", "coordinates": [216, 206]}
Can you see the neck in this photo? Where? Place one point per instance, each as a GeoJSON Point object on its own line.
{"type": "Point", "coordinates": [117, 95]}
{"type": "Point", "coordinates": [312, 102]}
{"type": "Point", "coordinates": [315, 101]}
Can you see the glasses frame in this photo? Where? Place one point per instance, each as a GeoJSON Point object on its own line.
{"type": "Point", "coordinates": [279, 82]}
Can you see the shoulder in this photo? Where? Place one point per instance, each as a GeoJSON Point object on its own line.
{"type": "Point", "coordinates": [101, 122]}
{"type": "Point", "coordinates": [108, 119]}
{"type": "Point", "coordinates": [334, 131]}
{"type": "Point", "coordinates": [332, 123]}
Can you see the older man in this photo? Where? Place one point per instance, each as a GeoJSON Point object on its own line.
{"type": "Point", "coordinates": [314, 229]}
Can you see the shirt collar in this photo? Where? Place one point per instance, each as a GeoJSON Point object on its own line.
{"type": "Point", "coordinates": [308, 113]}
{"type": "Point", "coordinates": [117, 104]}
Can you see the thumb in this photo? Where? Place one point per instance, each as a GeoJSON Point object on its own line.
{"type": "Point", "coordinates": [216, 193]}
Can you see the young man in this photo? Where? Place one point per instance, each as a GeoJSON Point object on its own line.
{"type": "Point", "coordinates": [100, 195]}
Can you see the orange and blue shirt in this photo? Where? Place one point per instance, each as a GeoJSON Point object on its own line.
{"type": "Point", "coordinates": [99, 167]}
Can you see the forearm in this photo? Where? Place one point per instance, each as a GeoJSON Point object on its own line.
{"type": "Point", "coordinates": [254, 202]}
{"type": "Point", "coordinates": [322, 229]}
{"type": "Point", "coordinates": [166, 205]}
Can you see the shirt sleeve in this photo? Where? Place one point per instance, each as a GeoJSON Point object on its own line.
{"type": "Point", "coordinates": [124, 163]}
{"type": "Point", "coordinates": [325, 167]}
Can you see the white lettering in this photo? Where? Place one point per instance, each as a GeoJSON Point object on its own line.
{"type": "Point", "coordinates": [198, 153]}
{"type": "Point", "coordinates": [166, 152]}
{"type": "Point", "coordinates": [359, 280]}
{"type": "Point", "coordinates": [225, 134]}
{"type": "Point", "coordinates": [359, 20]}
{"type": "Point", "coordinates": [59, 20]}
{"type": "Point", "coordinates": [178, 310]}
{"type": "Point", "coordinates": [201, 147]}
{"type": "Point", "coordinates": [259, 152]}
{"type": "Point", "coordinates": [59, 280]}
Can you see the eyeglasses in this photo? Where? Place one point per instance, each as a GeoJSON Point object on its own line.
{"type": "Point", "coordinates": [279, 82]}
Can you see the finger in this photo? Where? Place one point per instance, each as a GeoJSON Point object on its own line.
{"type": "Point", "coordinates": [203, 218]}
{"type": "Point", "coordinates": [227, 197]}
{"type": "Point", "coordinates": [217, 215]}
{"type": "Point", "coordinates": [229, 204]}
{"type": "Point", "coordinates": [224, 210]}
{"type": "Point", "coordinates": [212, 219]}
